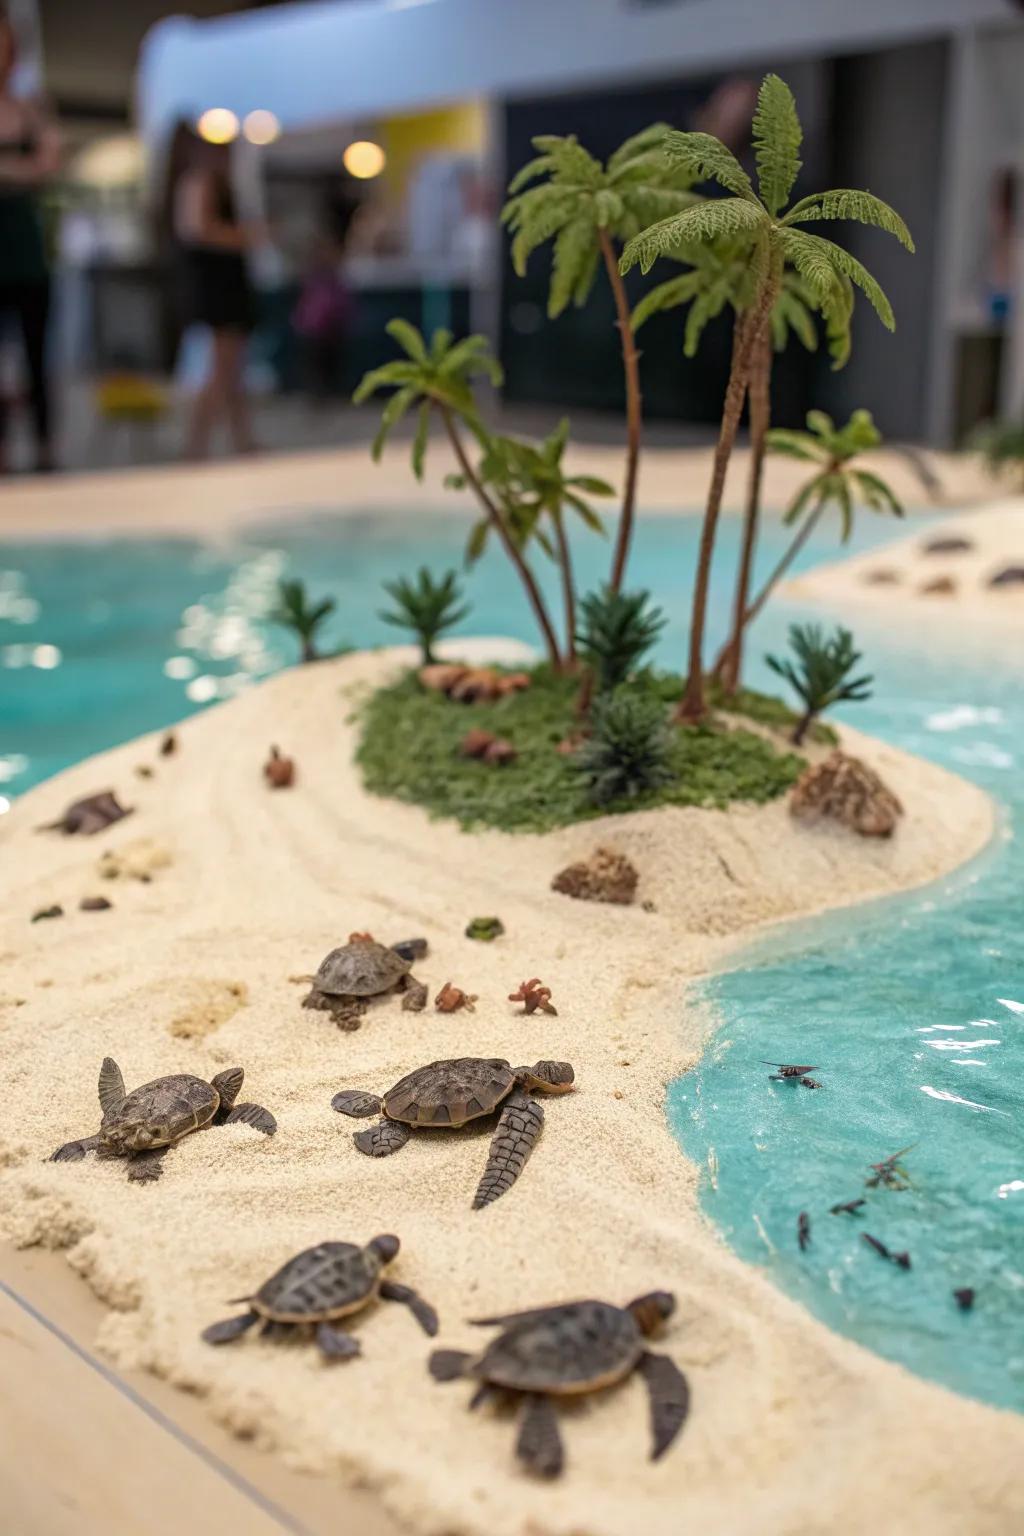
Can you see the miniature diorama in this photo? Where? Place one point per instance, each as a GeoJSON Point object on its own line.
{"type": "Point", "coordinates": [644, 770]}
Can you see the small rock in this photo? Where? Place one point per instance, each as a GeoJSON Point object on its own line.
{"type": "Point", "coordinates": [143, 771]}
{"type": "Point", "coordinates": [411, 949]}
{"type": "Point", "coordinates": [476, 742]}
{"type": "Point", "coordinates": [883, 577]}
{"type": "Point", "coordinates": [94, 904]}
{"type": "Point", "coordinates": [414, 996]}
{"type": "Point", "coordinates": [942, 586]}
{"type": "Point", "coordinates": [93, 814]}
{"type": "Point", "coordinates": [485, 929]}
{"type": "Point", "coordinates": [279, 771]}
{"type": "Point", "coordinates": [845, 789]}
{"type": "Point", "coordinates": [499, 752]}
{"type": "Point", "coordinates": [605, 876]}
{"type": "Point", "coordinates": [169, 745]}
{"type": "Point", "coordinates": [1009, 576]}
{"type": "Point", "coordinates": [45, 912]}
{"type": "Point", "coordinates": [949, 544]}
{"type": "Point", "coordinates": [476, 685]}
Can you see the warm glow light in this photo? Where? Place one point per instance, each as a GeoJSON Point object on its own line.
{"type": "Point", "coordinates": [218, 125]}
{"type": "Point", "coordinates": [364, 159]}
{"type": "Point", "coordinates": [261, 127]}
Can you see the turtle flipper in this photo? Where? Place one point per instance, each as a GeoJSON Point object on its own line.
{"type": "Point", "coordinates": [111, 1086]}
{"type": "Point", "coordinates": [252, 1114]}
{"type": "Point", "coordinates": [522, 1121]}
{"type": "Point", "coordinates": [449, 1364]}
{"type": "Point", "coordinates": [230, 1328]}
{"type": "Point", "coordinates": [539, 1442]}
{"type": "Point", "coordinates": [351, 1102]}
{"type": "Point", "coordinates": [669, 1394]}
{"type": "Point", "coordinates": [74, 1151]}
{"type": "Point", "coordinates": [386, 1136]}
{"type": "Point", "coordinates": [421, 1310]}
{"type": "Point", "coordinates": [336, 1344]}
{"type": "Point", "coordinates": [147, 1167]}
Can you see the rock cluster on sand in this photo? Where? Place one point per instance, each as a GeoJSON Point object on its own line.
{"type": "Point", "coordinates": [605, 876]}
{"type": "Point", "coordinates": [847, 790]}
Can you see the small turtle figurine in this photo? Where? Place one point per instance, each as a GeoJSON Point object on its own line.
{"type": "Point", "coordinates": [561, 1352]}
{"type": "Point", "coordinates": [357, 971]}
{"type": "Point", "coordinates": [144, 1124]}
{"type": "Point", "coordinates": [448, 1094]}
{"type": "Point", "coordinates": [319, 1286]}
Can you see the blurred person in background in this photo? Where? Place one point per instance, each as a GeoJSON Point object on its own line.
{"type": "Point", "coordinates": [321, 316]}
{"type": "Point", "coordinates": [29, 157]}
{"type": "Point", "coordinates": [210, 242]}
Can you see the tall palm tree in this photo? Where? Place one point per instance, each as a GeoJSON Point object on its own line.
{"type": "Point", "coordinates": [836, 480]}
{"type": "Point", "coordinates": [439, 378]}
{"type": "Point", "coordinates": [588, 209]}
{"type": "Point", "coordinates": [770, 238]}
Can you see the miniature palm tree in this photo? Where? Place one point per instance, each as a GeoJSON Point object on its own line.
{"type": "Point", "coordinates": [835, 481]}
{"type": "Point", "coordinates": [618, 631]}
{"type": "Point", "coordinates": [440, 378]}
{"type": "Point", "coordinates": [294, 611]}
{"type": "Point", "coordinates": [534, 490]}
{"type": "Point", "coordinates": [588, 209]}
{"type": "Point", "coordinates": [426, 606]}
{"type": "Point", "coordinates": [629, 749]}
{"type": "Point", "coordinates": [820, 674]}
{"type": "Point", "coordinates": [771, 239]}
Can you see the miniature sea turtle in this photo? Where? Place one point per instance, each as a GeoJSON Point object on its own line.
{"type": "Point", "coordinates": [555, 1352]}
{"type": "Point", "coordinates": [354, 972]}
{"type": "Point", "coordinates": [144, 1124]}
{"type": "Point", "coordinates": [320, 1285]}
{"type": "Point", "coordinates": [448, 1094]}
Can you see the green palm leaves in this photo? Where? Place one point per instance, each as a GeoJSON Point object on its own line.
{"type": "Point", "coordinates": [580, 198]}
{"type": "Point", "coordinates": [531, 484]}
{"type": "Point", "coordinates": [426, 606]}
{"type": "Point", "coordinates": [438, 375]}
{"type": "Point", "coordinates": [835, 480]}
{"type": "Point", "coordinates": [769, 236]}
{"type": "Point", "coordinates": [294, 611]}
{"type": "Point", "coordinates": [820, 672]}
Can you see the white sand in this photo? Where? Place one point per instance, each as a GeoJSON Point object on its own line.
{"type": "Point", "coordinates": [996, 533]}
{"type": "Point", "coordinates": [794, 1430]}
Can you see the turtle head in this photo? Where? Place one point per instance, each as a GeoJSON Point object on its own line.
{"type": "Point", "coordinates": [228, 1085]}
{"type": "Point", "coordinates": [547, 1077]}
{"type": "Point", "coordinates": [652, 1310]}
{"type": "Point", "coordinates": [385, 1247]}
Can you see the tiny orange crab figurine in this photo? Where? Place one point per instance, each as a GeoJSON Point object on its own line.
{"type": "Point", "coordinates": [533, 995]}
{"type": "Point", "coordinates": [451, 998]}
{"type": "Point", "coordinates": [361, 938]}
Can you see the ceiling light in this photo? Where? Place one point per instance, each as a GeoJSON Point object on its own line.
{"type": "Point", "coordinates": [261, 127]}
{"type": "Point", "coordinates": [364, 159]}
{"type": "Point", "coordinates": [218, 125]}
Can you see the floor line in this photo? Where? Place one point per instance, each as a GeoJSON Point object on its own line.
{"type": "Point", "coordinates": [241, 1484]}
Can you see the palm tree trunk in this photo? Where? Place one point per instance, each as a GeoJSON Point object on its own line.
{"type": "Point", "coordinates": [568, 589]}
{"type": "Point", "coordinates": [692, 707]}
{"type": "Point", "coordinates": [796, 545]}
{"type": "Point", "coordinates": [802, 726]}
{"type": "Point", "coordinates": [634, 409]}
{"type": "Point", "coordinates": [496, 520]}
{"type": "Point", "coordinates": [730, 663]}
{"type": "Point", "coordinates": [308, 648]}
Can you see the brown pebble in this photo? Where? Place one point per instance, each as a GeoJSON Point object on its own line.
{"type": "Point", "coordinates": [279, 771]}
{"type": "Point", "coordinates": [95, 904]}
{"type": "Point", "coordinates": [143, 771]}
{"type": "Point", "coordinates": [169, 745]}
{"type": "Point", "coordinates": [45, 912]}
{"type": "Point", "coordinates": [476, 742]}
{"type": "Point", "coordinates": [500, 752]}
{"type": "Point", "coordinates": [617, 1094]}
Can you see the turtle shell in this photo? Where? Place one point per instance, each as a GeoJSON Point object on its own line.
{"type": "Point", "coordinates": [448, 1093]}
{"type": "Point", "coordinates": [562, 1350]}
{"type": "Point", "coordinates": [327, 1281]}
{"type": "Point", "coordinates": [360, 970]}
{"type": "Point", "coordinates": [159, 1112]}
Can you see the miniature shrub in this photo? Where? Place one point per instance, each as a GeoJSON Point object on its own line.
{"type": "Point", "coordinates": [618, 630]}
{"type": "Point", "coordinates": [629, 750]}
{"type": "Point", "coordinates": [426, 607]}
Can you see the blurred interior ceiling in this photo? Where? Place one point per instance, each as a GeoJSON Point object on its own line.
{"type": "Point", "coordinates": [90, 48]}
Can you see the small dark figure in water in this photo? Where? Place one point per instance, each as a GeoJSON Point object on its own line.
{"type": "Point", "coordinates": [964, 1298]}
{"type": "Point", "coordinates": [786, 1074]}
{"type": "Point", "coordinates": [803, 1230]}
{"type": "Point", "coordinates": [902, 1259]}
{"type": "Point", "coordinates": [890, 1173]}
{"type": "Point", "coordinates": [847, 1208]}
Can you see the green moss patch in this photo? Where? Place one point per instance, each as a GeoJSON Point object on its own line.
{"type": "Point", "coordinates": [409, 751]}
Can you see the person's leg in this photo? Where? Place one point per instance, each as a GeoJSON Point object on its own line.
{"type": "Point", "coordinates": [233, 349]}
{"type": "Point", "coordinates": [207, 404]}
{"type": "Point", "coordinates": [33, 305]}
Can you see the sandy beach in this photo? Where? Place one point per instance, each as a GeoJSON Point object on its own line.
{"type": "Point", "coordinates": [190, 972]}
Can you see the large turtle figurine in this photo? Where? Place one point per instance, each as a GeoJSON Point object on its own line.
{"type": "Point", "coordinates": [558, 1352]}
{"type": "Point", "coordinates": [319, 1286]}
{"type": "Point", "coordinates": [144, 1124]}
{"type": "Point", "coordinates": [355, 972]}
{"type": "Point", "coordinates": [448, 1094]}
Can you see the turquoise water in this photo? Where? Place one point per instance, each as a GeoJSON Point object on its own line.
{"type": "Point", "coordinates": [913, 1009]}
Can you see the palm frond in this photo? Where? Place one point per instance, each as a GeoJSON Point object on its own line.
{"type": "Point", "coordinates": [573, 246]}
{"type": "Point", "coordinates": [571, 161]}
{"type": "Point", "coordinates": [638, 144]}
{"type": "Point", "coordinates": [393, 412]}
{"type": "Point", "coordinates": [706, 221]}
{"type": "Point", "coordinates": [877, 493]}
{"type": "Point", "coordinates": [538, 226]}
{"type": "Point", "coordinates": [529, 172]}
{"type": "Point", "coordinates": [795, 445]}
{"type": "Point", "coordinates": [380, 378]}
{"type": "Point", "coordinates": [707, 159]}
{"type": "Point", "coordinates": [846, 203]}
{"type": "Point", "coordinates": [667, 295]}
{"type": "Point", "coordinates": [408, 338]}
{"type": "Point", "coordinates": [819, 259]}
{"type": "Point", "coordinates": [777, 138]}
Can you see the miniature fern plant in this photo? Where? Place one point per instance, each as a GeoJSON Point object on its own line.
{"type": "Point", "coordinates": [629, 750]}
{"type": "Point", "coordinates": [769, 233]}
{"type": "Point", "coordinates": [294, 611]}
{"type": "Point", "coordinates": [617, 632]}
{"type": "Point", "coordinates": [426, 607]}
{"type": "Point", "coordinates": [588, 209]}
{"type": "Point", "coordinates": [820, 672]}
